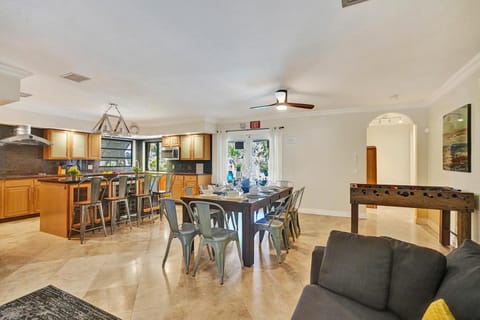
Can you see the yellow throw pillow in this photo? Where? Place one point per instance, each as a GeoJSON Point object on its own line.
{"type": "Point", "coordinates": [438, 310]}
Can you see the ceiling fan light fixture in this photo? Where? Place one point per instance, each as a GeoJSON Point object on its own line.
{"type": "Point", "coordinates": [281, 96]}
{"type": "Point", "coordinates": [281, 107]}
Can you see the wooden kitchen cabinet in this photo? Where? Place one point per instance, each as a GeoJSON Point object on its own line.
{"type": "Point", "coordinates": [36, 196]}
{"type": "Point", "coordinates": [71, 145]}
{"type": "Point", "coordinates": [171, 141]}
{"type": "Point", "coordinates": [2, 182]}
{"type": "Point", "coordinates": [189, 180]}
{"type": "Point", "coordinates": [94, 146]}
{"type": "Point", "coordinates": [177, 187]}
{"type": "Point", "coordinates": [195, 147]}
{"type": "Point", "coordinates": [17, 197]}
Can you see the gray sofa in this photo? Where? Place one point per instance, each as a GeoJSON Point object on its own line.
{"type": "Point", "coordinates": [365, 277]}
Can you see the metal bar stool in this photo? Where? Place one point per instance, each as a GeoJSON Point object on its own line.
{"type": "Point", "coordinates": [144, 199]}
{"type": "Point", "coordinates": [114, 202]}
{"type": "Point", "coordinates": [90, 207]}
{"type": "Point", "coordinates": [166, 193]}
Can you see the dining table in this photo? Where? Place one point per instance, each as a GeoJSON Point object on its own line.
{"type": "Point", "coordinates": [248, 206]}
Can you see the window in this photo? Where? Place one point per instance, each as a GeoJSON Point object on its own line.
{"type": "Point", "coordinates": [116, 153]}
{"type": "Point", "coordinates": [152, 156]}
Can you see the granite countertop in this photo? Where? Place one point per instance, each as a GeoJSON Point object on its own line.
{"type": "Point", "coordinates": [54, 176]}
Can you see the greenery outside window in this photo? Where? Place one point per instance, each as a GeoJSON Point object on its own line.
{"type": "Point", "coordinates": [116, 153]}
{"type": "Point", "coordinates": [152, 155]}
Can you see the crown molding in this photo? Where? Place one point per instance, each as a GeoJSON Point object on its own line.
{"type": "Point", "coordinates": [457, 78]}
{"type": "Point", "coordinates": [14, 71]}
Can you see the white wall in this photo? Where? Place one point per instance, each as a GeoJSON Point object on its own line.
{"type": "Point", "coordinates": [326, 153]}
{"type": "Point", "coordinates": [393, 152]}
{"type": "Point", "coordinates": [468, 91]}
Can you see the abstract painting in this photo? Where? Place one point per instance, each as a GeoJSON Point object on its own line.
{"type": "Point", "coordinates": [457, 140]}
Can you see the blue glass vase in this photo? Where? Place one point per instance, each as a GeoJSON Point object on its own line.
{"type": "Point", "coordinates": [230, 177]}
{"type": "Point", "coordinates": [245, 185]}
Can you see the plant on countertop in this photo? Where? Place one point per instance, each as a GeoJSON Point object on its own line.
{"type": "Point", "coordinates": [73, 171]}
{"type": "Point", "coordinates": [136, 170]}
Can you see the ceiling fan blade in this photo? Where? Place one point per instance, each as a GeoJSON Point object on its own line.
{"type": "Point", "coordinates": [263, 107]}
{"type": "Point", "coordinates": [300, 105]}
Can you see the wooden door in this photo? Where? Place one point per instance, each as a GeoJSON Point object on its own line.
{"type": "Point", "coordinates": [371, 167]}
{"type": "Point", "coordinates": [17, 197]}
{"type": "Point", "coordinates": [79, 145]}
{"type": "Point", "coordinates": [198, 147]}
{"type": "Point", "coordinates": [36, 196]}
{"type": "Point", "coordinates": [59, 149]}
{"type": "Point", "coordinates": [186, 148]}
{"type": "Point", "coordinates": [94, 146]}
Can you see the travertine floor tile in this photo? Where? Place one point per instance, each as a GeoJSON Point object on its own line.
{"type": "Point", "coordinates": [122, 273]}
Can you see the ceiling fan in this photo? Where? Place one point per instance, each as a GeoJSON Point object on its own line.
{"type": "Point", "coordinates": [283, 104]}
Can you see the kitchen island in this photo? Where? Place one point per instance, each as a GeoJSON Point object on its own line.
{"type": "Point", "coordinates": [58, 194]}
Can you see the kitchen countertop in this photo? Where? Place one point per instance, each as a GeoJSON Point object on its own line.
{"type": "Point", "coordinates": [50, 176]}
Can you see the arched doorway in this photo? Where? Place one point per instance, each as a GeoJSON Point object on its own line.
{"type": "Point", "coordinates": [394, 137]}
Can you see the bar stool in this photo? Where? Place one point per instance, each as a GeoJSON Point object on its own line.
{"type": "Point", "coordinates": [113, 203]}
{"type": "Point", "coordinates": [167, 193]}
{"type": "Point", "coordinates": [91, 207]}
{"type": "Point", "coordinates": [144, 199]}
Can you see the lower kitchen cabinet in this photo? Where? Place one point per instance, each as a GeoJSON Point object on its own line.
{"type": "Point", "coordinates": [189, 180]}
{"type": "Point", "coordinates": [17, 197]}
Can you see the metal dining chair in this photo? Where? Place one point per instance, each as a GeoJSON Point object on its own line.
{"type": "Point", "coordinates": [185, 232]}
{"type": "Point", "coordinates": [215, 237]}
{"type": "Point", "coordinates": [295, 215]}
{"type": "Point", "coordinates": [90, 208]}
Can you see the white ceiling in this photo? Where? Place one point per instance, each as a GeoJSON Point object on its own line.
{"type": "Point", "coordinates": [213, 59]}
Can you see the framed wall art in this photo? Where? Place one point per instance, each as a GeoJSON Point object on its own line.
{"type": "Point", "coordinates": [457, 140]}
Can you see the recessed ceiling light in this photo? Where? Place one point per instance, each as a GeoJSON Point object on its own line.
{"type": "Point", "coordinates": [74, 77]}
{"type": "Point", "coordinates": [25, 95]}
{"type": "Point", "coordinates": [281, 107]}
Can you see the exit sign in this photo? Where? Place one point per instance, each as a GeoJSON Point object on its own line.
{"type": "Point", "coordinates": [255, 124]}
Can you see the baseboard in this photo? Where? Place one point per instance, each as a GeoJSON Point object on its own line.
{"type": "Point", "coordinates": [333, 213]}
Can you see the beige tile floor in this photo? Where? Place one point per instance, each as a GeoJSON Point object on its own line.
{"type": "Point", "coordinates": [122, 274]}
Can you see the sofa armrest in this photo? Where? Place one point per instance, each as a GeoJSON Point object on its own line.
{"type": "Point", "coordinates": [317, 257]}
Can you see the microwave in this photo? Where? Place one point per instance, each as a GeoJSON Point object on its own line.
{"type": "Point", "coordinates": [170, 153]}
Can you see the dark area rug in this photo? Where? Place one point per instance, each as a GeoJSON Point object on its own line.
{"type": "Point", "coordinates": [51, 303]}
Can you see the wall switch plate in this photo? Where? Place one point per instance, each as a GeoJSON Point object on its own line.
{"type": "Point", "coordinates": [90, 167]}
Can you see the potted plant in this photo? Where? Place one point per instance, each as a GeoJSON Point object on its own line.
{"type": "Point", "coordinates": [74, 172]}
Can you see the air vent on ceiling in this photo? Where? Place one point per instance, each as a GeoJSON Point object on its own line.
{"type": "Point", "coordinates": [74, 77]}
{"type": "Point", "coordinates": [25, 95]}
{"type": "Point", "coordinates": [346, 3]}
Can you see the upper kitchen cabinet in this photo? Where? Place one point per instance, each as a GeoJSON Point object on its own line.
{"type": "Point", "coordinates": [95, 146]}
{"type": "Point", "coordinates": [195, 147]}
{"type": "Point", "coordinates": [171, 141]}
{"type": "Point", "coordinates": [71, 145]}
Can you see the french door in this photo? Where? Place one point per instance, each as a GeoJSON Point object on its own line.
{"type": "Point", "coordinates": [248, 156]}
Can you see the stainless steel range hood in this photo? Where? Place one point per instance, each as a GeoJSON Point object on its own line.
{"type": "Point", "coordinates": [24, 136]}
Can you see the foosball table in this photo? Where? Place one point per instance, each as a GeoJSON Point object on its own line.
{"type": "Point", "coordinates": [445, 199]}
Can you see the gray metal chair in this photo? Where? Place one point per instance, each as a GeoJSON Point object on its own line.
{"type": "Point", "coordinates": [184, 232]}
{"type": "Point", "coordinates": [91, 208]}
{"type": "Point", "coordinates": [295, 207]}
{"type": "Point", "coordinates": [277, 226]}
{"type": "Point", "coordinates": [114, 202]}
{"type": "Point", "coordinates": [216, 238]}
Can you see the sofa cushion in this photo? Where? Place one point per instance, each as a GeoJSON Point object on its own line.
{"type": "Point", "coordinates": [461, 286]}
{"type": "Point", "coordinates": [321, 304]}
{"type": "Point", "coordinates": [417, 272]}
{"type": "Point", "coordinates": [357, 267]}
